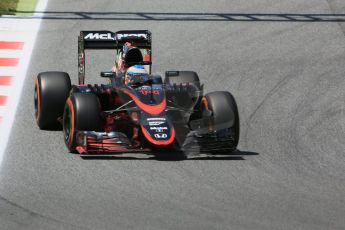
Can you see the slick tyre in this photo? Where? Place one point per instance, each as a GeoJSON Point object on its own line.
{"type": "Point", "coordinates": [81, 113]}
{"type": "Point", "coordinates": [51, 92]}
{"type": "Point", "coordinates": [224, 113]}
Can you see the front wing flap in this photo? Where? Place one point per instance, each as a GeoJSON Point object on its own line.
{"type": "Point", "coordinates": [91, 142]}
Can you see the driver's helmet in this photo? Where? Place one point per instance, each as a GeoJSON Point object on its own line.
{"type": "Point", "coordinates": [128, 56]}
{"type": "Point", "coordinates": [126, 47]}
{"type": "Point", "coordinates": [136, 74]}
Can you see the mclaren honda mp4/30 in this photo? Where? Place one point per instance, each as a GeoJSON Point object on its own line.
{"type": "Point", "coordinates": [149, 115]}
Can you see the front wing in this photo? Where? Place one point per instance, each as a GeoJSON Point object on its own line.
{"type": "Point", "coordinates": [100, 143]}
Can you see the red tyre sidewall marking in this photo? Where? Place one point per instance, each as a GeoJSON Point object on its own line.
{"type": "Point", "coordinates": [71, 133]}
{"type": "Point", "coordinates": [204, 102]}
{"type": "Point", "coordinates": [38, 100]}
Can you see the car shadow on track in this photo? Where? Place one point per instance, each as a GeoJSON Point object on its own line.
{"type": "Point", "coordinates": [175, 156]}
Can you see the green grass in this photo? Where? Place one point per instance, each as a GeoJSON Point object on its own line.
{"type": "Point", "coordinates": [17, 7]}
{"type": "Point", "coordinates": [8, 6]}
{"type": "Point", "coordinates": [26, 6]}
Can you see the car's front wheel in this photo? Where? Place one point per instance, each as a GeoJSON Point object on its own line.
{"type": "Point", "coordinates": [81, 113]}
{"type": "Point", "coordinates": [222, 119]}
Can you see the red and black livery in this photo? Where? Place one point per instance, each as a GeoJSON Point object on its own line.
{"type": "Point", "coordinates": [151, 115]}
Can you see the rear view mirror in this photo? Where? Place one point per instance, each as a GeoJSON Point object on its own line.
{"type": "Point", "coordinates": [108, 74]}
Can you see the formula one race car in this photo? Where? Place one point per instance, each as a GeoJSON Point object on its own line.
{"type": "Point", "coordinates": [136, 111]}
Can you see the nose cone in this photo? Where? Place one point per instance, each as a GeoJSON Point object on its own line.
{"type": "Point", "coordinates": [158, 130]}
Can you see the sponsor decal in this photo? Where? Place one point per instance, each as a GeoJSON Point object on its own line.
{"type": "Point", "coordinates": [159, 129]}
{"type": "Point", "coordinates": [156, 119]}
{"type": "Point", "coordinates": [161, 135]}
{"type": "Point", "coordinates": [123, 36]}
{"type": "Point", "coordinates": [99, 36]}
{"type": "Point", "coordinates": [147, 91]}
{"type": "Point", "coordinates": [151, 123]}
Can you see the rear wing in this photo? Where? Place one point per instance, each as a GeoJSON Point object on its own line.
{"type": "Point", "coordinates": [103, 39]}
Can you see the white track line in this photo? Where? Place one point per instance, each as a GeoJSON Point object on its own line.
{"type": "Point", "coordinates": [11, 53]}
{"type": "Point", "coordinates": [8, 71]}
{"type": "Point", "coordinates": [18, 30]}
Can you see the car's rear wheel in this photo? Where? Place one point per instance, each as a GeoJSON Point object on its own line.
{"type": "Point", "coordinates": [51, 92]}
{"type": "Point", "coordinates": [221, 110]}
{"type": "Point", "coordinates": [81, 113]}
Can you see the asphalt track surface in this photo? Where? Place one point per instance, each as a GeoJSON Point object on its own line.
{"type": "Point", "coordinates": [287, 74]}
